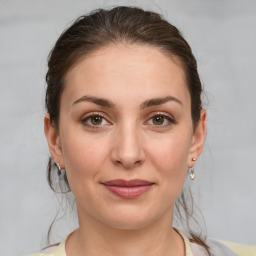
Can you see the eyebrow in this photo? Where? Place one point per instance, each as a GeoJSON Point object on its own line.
{"type": "Point", "coordinates": [96, 100]}
{"type": "Point", "coordinates": [159, 101]}
{"type": "Point", "coordinates": [148, 103]}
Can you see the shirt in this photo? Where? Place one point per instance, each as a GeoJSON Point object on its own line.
{"type": "Point", "coordinates": [219, 248]}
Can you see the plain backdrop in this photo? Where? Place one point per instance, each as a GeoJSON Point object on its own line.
{"type": "Point", "coordinates": [222, 35]}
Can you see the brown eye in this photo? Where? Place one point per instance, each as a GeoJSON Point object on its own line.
{"type": "Point", "coordinates": [158, 120]}
{"type": "Point", "coordinates": [96, 120]}
{"type": "Point", "coordinates": [161, 121]}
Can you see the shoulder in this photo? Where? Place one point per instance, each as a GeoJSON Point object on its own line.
{"type": "Point", "coordinates": [223, 248]}
{"type": "Point", "coordinates": [55, 250]}
{"type": "Point", "coordinates": [216, 248]}
{"type": "Point", "coordinates": [241, 249]}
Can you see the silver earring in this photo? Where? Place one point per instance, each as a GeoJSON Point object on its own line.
{"type": "Point", "coordinates": [192, 174]}
{"type": "Point", "coordinates": [59, 168]}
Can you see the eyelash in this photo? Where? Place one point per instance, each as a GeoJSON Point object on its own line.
{"type": "Point", "coordinates": [169, 119]}
{"type": "Point", "coordinates": [87, 117]}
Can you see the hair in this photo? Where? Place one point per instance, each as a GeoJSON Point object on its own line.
{"type": "Point", "coordinates": [127, 25]}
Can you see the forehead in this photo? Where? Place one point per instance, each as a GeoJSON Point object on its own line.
{"type": "Point", "coordinates": [127, 70]}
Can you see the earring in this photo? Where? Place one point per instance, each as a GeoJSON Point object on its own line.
{"type": "Point", "coordinates": [59, 168]}
{"type": "Point", "coordinates": [192, 173]}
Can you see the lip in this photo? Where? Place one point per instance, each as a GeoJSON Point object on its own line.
{"type": "Point", "coordinates": [128, 188]}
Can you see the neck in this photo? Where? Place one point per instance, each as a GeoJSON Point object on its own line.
{"type": "Point", "coordinates": [94, 238]}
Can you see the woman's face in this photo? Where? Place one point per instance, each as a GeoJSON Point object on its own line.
{"type": "Point", "coordinates": [125, 115]}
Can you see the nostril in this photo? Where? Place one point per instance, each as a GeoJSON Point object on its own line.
{"type": "Point", "coordinates": [129, 164]}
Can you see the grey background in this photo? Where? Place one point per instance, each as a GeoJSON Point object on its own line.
{"type": "Point", "coordinates": [223, 37]}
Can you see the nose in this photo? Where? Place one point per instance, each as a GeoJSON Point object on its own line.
{"type": "Point", "coordinates": [127, 148]}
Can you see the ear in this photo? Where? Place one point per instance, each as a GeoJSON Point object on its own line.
{"type": "Point", "coordinates": [198, 139]}
{"type": "Point", "coordinates": [53, 140]}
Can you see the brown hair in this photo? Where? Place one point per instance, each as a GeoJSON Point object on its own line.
{"type": "Point", "coordinates": [129, 25]}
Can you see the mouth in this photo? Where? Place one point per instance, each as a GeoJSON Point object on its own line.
{"type": "Point", "coordinates": [128, 188]}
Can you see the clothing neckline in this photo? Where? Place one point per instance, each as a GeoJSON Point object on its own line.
{"type": "Point", "coordinates": [188, 251]}
{"type": "Point", "coordinates": [61, 249]}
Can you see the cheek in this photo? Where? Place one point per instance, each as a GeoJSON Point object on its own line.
{"type": "Point", "coordinates": [170, 156]}
{"type": "Point", "coordinates": [83, 156]}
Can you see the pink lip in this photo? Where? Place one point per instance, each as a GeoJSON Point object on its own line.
{"type": "Point", "coordinates": [128, 189]}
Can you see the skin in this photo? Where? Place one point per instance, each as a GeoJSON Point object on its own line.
{"type": "Point", "coordinates": [128, 144]}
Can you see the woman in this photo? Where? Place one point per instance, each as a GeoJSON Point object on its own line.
{"type": "Point", "coordinates": [124, 124]}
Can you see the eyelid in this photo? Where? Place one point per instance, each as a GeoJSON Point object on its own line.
{"type": "Point", "coordinates": [90, 114]}
{"type": "Point", "coordinates": [169, 117]}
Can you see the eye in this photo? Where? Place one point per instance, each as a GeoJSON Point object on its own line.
{"type": "Point", "coordinates": [94, 120]}
{"type": "Point", "coordinates": [161, 120]}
